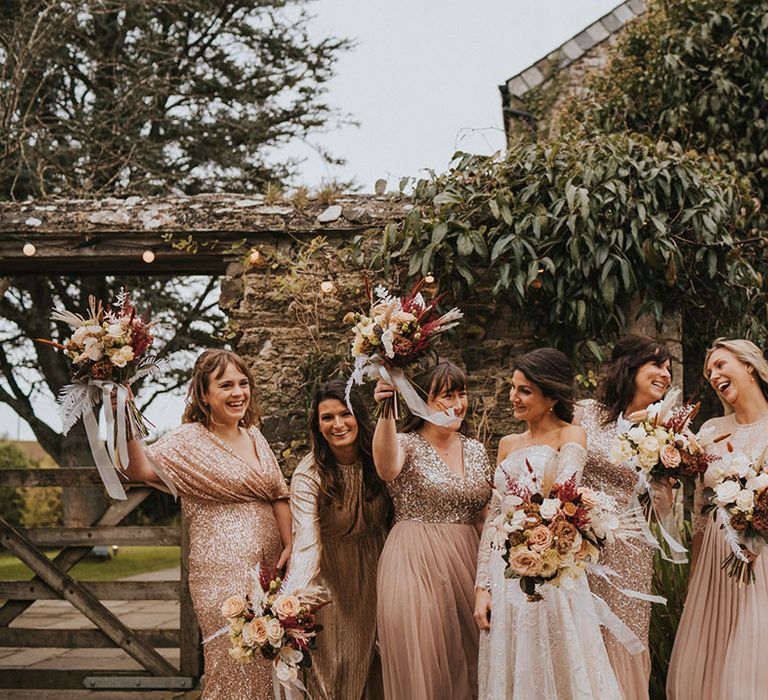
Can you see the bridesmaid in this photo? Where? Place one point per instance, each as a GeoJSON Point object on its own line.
{"type": "Point", "coordinates": [340, 507]}
{"type": "Point", "coordinates": [638, 375]}
{"type": "Point", "coordinates": [439, 483]}
{"type": "Point", "coordinates": [718, 650]}
{"type": "Point", "coordinates": [235, 501]}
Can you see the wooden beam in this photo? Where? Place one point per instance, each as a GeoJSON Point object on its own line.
{"type": "Point", "coordinates": [80, 639]}
{"type": "Point", "coordinates": [72, 683]}
{"type": "Point", "coordinates": [69, 477]}
{"type": "Point", "coordinates": [68, 557]}
{"type": "Point", "coordinates": [84, 601]}
{"type": "Point", "coordinates": [103, 590]}
{"type": "Point", "coordinates": [188, 235]}
{"type": "Point", "coordinates": [147, 536]}
{"type": "Point", "coordinates": [190, 642]}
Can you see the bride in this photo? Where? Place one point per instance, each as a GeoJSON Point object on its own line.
{"type": "Point", "coordinates": [551, 649]}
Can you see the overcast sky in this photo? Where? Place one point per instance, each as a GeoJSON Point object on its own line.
{"type": "Point", "coordinates": [422, 81]}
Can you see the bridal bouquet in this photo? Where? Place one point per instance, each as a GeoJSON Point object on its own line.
{"type": "Point", "coordinates": [395, 334]}
{"type": "Point", "coordinates": [278, 623]}
{"type": "Point", "coordinates": [740, 495]}
{"type": "Point", "coordinates": [109, 349]}
{"type": "Point", "coordinates": [661, 446]}
{"type": "Point", "coordinates": [553, 536]}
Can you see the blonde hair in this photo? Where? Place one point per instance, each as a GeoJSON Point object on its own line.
{"type": "Point", "coordinates": [746, 352]}
{"type": "Point", "coordinates": [213, 363]}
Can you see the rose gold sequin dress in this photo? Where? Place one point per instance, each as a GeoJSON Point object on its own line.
{"type": "Point", "coordinates": [719, 651]}
{"type": "Point", "coordinates": [551, 649]}
{"type": "Point", "coordinates": [338, 546]}
{"type": "Point", "coordinates": [632, 561]}
{"type": "Point", "coordinates": [228, 508]}
{"type": "Point", "coordinates": [428, 637]}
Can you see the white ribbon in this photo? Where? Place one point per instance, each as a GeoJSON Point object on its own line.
{"type": "Point", "coordinates": [605, 572]}
{"type": "Point", "coordinates": [113, 459]}
{"type": "Point", "coordinates": [374, 367]}
{"type": "Point", "coordinates": [289, 692]}
{"type": "Point", "coordinates": [665, 521]}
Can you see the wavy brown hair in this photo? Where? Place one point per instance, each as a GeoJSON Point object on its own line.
{"type": "Point", "coordinates": [617, 389]}
{"type": "Point", "coordinates": [331, 485]}
{"type": "Point", "coordinates": [212, 364]}
{"type": "Point", "coordinates": [551, 371]}
{"type": "Point", "coordinates": [444, 376]}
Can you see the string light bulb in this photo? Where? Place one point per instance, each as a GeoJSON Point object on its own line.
{"type": "Point", "coordinates": [326, 286]}
{"type": "Point", "coordinates": [148, 256]}
{"type": "Point", "coordinates": [29, 249]}
{"type": "Point", "coordinates": [430, 278]}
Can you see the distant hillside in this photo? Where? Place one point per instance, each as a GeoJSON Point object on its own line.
{"type": "Point", "coordinates": [33, 450]}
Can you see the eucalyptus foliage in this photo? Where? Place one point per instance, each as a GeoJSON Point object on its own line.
{"type": "Point", "coordinates": [572, 232]}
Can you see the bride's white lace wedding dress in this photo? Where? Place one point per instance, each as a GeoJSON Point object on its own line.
{"type": "Point", "coordinates": [551, 649]}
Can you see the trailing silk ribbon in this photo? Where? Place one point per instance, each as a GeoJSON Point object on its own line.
{"type": "Point", "coordinates": [113, 459]}
{"type": "Point", "coordinates": [373, 367]}
{"type": "Point", "coordinates": [666, 521]}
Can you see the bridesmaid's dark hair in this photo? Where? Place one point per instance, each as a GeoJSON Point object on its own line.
{"type": "Point", "coordinates": [213, 363]}
{"type": "Point", "coordinates": [444, 376]}
{"type": "Point", "coordinates": [551, 371]}
{"type": "Point", "coordinates": [631, 352]}
{"type": "Point", "coordinates": [331, 485]}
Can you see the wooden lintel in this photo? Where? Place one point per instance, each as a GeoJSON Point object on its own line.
{"type": "Point", "coordinates": [138, 536]}
{"type": "Point", "coordinates": [110, 235]}
{"type": "Point", "coordinates": [80, 639]}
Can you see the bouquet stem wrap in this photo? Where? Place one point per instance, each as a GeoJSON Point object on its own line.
{"type": "Point", "coordinates": [374, 367]}
{"type": "Point", "coordinates": [113, 458]}
{"type": "Point", "coordinates": [665, 519]}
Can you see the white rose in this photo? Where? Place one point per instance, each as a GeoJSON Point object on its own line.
{"type": "Point", "coordinates": [745, 500]}
{"type": "Point", "coordinates": [649, 444]}
{"type": "Point", "coordinates": [274, 632]}
{"type": "Point", "coordinates": [511, 501]}
{"type": "Point", "coordinates": [516, 522]}
{"type": "Point", "coordinates": [84, 332]}
{"type": "Point", "coordinates": [726, 492]}
{"type": "Point", "coordinates": [636, 434]}
{"type": "Point", "coordinates": [549, 508]}
{"type": "Point", "coordinates": [758, 482]}
{"type": "Point", "coordinates": [739, 465]}
{"type": "Point", "coordinates": [621, 452]}
{"type": "Point", "coordinates": [648, 459]}
{"type": "Point", "coordinates": [93, 350]}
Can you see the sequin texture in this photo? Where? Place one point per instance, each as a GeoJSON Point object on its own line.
{"type": "Point", "coordinates": [432, 493]}
{"type": "Point", "coordinates": [228, 508]}
{"type": "Point", "coordinates": [632, 561]}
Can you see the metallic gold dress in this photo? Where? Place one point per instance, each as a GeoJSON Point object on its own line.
{"type": "Point", "coordinates": [632, 561]}
{"type": "Point", "coordinates": [228, 508]}
{"type": "Point", "coordinates": [426, 582]}
{"type": "Point", "coordinates": [338, 546]}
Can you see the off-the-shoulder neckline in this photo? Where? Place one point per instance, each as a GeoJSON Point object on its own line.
{"type": "Point", "coordinates": [548, 447]}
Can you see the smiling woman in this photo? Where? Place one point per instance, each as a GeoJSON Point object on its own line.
{"type": "Point", "coordinates": [340, 511]}
{"type": "Point", "coordinates": [235, 500]}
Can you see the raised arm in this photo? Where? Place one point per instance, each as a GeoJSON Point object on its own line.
{"type": "Point", "coordinates": [388, 455]}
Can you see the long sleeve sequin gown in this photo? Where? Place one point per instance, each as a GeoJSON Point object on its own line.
{"type": "Point", "coordinates": [551, 649]}
{"type": "Point", "coordinates": [338, 546]}
{"type": "Point", "coordinates": [228, 507]}
{"type": "Point", "coordinates": [633, 561]}
{"type": "Point", "coordinates": [428, 637]}
{"type": "Point", "coordinates": [719, 651]}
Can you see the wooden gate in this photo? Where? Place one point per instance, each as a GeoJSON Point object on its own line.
{"type": "Point", "coordinates": [52, 581]}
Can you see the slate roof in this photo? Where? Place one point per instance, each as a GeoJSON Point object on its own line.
{"type": "Point", "coordinates": [573, 49]}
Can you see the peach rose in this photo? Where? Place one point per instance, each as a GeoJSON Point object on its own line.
{"type": "Point", "coordinates": [525, 563]}
{"type": "Point", "coordinates": [255, 632]}
{"type": "Point", "coordinates": [566, 536]}
{"type": "Point", "coordinates": [540, 538]}
{"type": "Point", "coordinates": [670, 456]}
{"type": "Point", "coordinates": [286, 606]}
{"type": "Point", "coordinates": [569, 509]}
{"type": "Point", "coordinates": [274, 632]}
{"type": "Point", "coordinates": [233, 606]}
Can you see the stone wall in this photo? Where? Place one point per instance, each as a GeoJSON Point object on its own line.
{"type": "Point", "coordinates": [294, 336]}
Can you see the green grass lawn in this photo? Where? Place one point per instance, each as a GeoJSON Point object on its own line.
{"type": "Point", "coordinates": [127, 562]}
